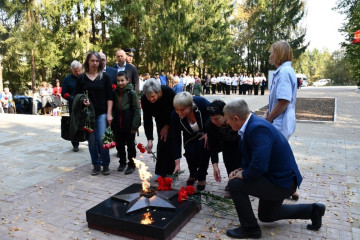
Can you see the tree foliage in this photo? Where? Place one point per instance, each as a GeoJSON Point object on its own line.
{"type": "Point", "coordinates": [40, 38]}
{"type": "Point", "coordinates": [351, 8]}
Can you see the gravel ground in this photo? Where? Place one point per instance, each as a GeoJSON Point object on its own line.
{"type": "Point", "coordinates": [315, 109]}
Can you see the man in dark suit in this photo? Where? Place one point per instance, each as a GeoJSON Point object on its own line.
{"type": "Point", "coordinates": [130, 69]}
{"type": "Point", "coordinates": [108, 70]}
{"type": "Point", "coordinates": [269, 172]}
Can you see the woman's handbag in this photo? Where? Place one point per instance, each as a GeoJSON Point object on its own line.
{"type": "Point", "coordinates": [65, 126]}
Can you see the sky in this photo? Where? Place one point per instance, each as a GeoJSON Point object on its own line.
{"type": "Point", "coordinates": [322, 25]}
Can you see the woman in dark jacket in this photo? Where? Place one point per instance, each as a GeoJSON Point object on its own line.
{"type": "Point", "coordinates": [98, 87]}
{"type": "Point", "coordinates": [190, 117]}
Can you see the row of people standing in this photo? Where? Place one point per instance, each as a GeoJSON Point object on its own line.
{"type": "Point", "coordinates": [244, 84]}
{"type": "Point", "coordinates": [224, 83]}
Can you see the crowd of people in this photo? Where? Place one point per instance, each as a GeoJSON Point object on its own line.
{"type": "Point", "coordinates": [257, 156]}
{"type": "Point", "coordinates": [241, 84]}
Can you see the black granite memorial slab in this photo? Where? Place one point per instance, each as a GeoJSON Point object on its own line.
{"type": "Point", "coordinates": [111, 216]}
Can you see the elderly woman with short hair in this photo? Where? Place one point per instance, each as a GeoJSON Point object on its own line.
{"type": "Point", "coordinates": [190, 117]}
{"type": "Point", "coordinates": [156, 102]}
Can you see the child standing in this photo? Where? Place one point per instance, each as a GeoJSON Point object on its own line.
{"type": "Point", "coordinates": [197, 90]}
{"type": "Point", "coordinates": [127, 119]}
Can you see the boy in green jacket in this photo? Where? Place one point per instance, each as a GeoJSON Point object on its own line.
{"type": "Point", "coordinates": [127, 119]}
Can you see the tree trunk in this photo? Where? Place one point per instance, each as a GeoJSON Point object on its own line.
{"type": "Point", "coordinates": [43, 73]}
{"type": "Point", "coordinates": [93, 27]}
{"type": "Point", "coordinates": [33, 73]}
{"type": "Point", "coordinates": [1, 78]}
{"type": "Point", "coordinates": [103, 24]}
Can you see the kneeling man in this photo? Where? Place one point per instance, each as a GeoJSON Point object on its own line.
{"type": "Point", "coordinates": [269, 172]}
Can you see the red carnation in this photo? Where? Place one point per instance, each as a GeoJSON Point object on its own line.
{"type": "Point", "coordinates": [113, 86]}
{"type": "Point", "coordinates": [182, 195]}
{"type": "Point", "coordinates": [66, 95]}
{"type": "Point", "coordinates": [159, 179]}
{"type": "Point", "coordinates": [190, 190]}
{"type": "Point", "coordinates": [168, 182]}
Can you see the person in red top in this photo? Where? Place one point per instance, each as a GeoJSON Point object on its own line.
{"type": "Point", "coordinates": [57, 92]}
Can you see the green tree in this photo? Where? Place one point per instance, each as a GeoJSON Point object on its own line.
{"type": "Point", "coordinates": [351, 8]}
{"type": "Point", "coordinates": [269, 21]}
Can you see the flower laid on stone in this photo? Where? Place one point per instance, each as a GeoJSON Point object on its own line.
{"type": "Point", "coordinates": [108, 139]}
{"type": "Point", "coordinates": [185, 192]}
{"type": "Point", "coordinates": [66, 95]}
{"type": "Point", "coordinates": [164, 183]}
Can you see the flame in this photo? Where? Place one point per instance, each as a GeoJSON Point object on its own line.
{"type": "Point", "coordinates": [147, 219]}
{"type": "Point", "coordinates": [143, 173]}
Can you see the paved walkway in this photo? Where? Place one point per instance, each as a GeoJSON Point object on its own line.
{"type": "Point", "coordinates": [45, 188]}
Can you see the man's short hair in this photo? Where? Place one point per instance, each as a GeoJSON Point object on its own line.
{"type": "Point", "coordinates": [238, 108]}
{"type": "Point", "coordinates": [216, 108]}
{"type": "Point", "coordinates": [151, 86]}
{"type": "Point", "coordinates": [75, 64]}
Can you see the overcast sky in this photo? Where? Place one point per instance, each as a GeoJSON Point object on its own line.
{"type": "Point", "coordinates": [322, 25]}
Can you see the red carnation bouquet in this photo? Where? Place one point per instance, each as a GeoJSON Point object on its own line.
{"type": "Point", "coordinates": [108, 139]}
{"type": "Point", "coordinates": [185, 192]}
{"type": "Point", "coordinates": [164, 183]}
{"type": "Point", "coordinates": [87, 125]}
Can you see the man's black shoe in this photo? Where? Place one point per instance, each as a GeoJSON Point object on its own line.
{"type": "Point", "coordinates": [96, 170]}
{"type": "Point", "coordinates": [106, 170]}
{"type": "Point", "coordinates": [240, 232]}
{"type": "Point", "coordinates": [121, 167]}
{"type": "Point", "coordinates": [317, 213]}
{"type": "Point", "coordinates": [129, 170]}
{"type": "Point", "coordinates": [75, 149]}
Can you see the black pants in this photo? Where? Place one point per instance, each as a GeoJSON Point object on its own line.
{"type": "Point", "coordinates": [240, 89]}
{"type": "Point", "coordinates": [271, 197]}
{"type": "Point", "coordinates": [256, 89]}
{"type": "Point", "coordinates": [233, 89]}
{"type": "Point", "coordinates": [213, 88]}
{"type": "Point", "coordinates": [227, 89]}
{"type": "Point", "coordinates": [262, 90]}
{"type": "Point", "coordinates": [219, 88]}
{"type": "Point", "coordinates": [122, 138]}
{"type": "Point", "coordinates": [197, 158]}
{"type": "Point", "coordinates": [244, 88]}
{"type": "Point", "coordinates": [249, 88]}
{"type": "Point", "coordinates": [165, 163]}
